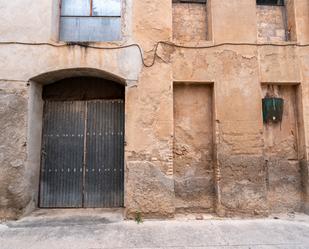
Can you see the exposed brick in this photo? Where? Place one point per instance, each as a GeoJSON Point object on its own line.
{"type": "Point", "coordinates": [271, 21]}
{"type": "Point", "coordinates": [189, 21]}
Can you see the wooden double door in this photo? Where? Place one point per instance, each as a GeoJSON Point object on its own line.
{"type": "Point", "coordinates": [82, 161]}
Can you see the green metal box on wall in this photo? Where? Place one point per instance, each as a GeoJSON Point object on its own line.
{"type": "Point", "coordinates": [272, 109]}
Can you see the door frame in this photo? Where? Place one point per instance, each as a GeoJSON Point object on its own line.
{"type": "Point", "coordinates": [35, 118]}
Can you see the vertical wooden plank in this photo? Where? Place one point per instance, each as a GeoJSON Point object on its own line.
{"type": "Point", "coordinates": [62, 158]}
{"type": "Point", "coordinates": [104, 172]}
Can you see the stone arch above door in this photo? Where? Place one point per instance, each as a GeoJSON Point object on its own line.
{"type": "Point", "coordinates": [35, 115]}
{"type": "Point", "coordinates": [60, 74]}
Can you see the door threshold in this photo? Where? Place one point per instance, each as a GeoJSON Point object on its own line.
{"type": "Point", "coordinates": [110, 214]}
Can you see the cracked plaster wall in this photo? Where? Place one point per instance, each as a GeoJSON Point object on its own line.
{"type": "Point", "coordinates": [236, 73]}
{"type": "Point", "coordinates": [239, 144]}
{"type": "Point", "coordinates": [193, 148]}
{"type": "Point", "coordinates": [281, 148]}
{"type": "Point", "coordinates": [13, 119]}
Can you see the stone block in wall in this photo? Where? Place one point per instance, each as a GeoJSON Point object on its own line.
{"type": "Point", "coordinates": [284, 185]}
{"type": "Point", "coordinates": [14, 194]}
{"type": "Point", "coordinates": [242, 185]}
{"type": "Point", "coordinates": [148, 191]}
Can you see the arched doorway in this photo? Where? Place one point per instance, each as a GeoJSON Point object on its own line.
{"type": "Point", "coordinates": [82, 159]}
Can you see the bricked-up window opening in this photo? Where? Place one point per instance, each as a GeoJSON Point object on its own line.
{"type": "Point", "coordinates": [90, 20]}
{"type": "Point", "coordinates": [190, 20]}
{"type": "Point", "coordinates": [270, 2]}
{"type": "Point", "coordinates": [275, 20]}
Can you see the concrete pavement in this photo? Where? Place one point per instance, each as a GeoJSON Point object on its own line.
{"type": "Point", "coordinates": [94, 229]}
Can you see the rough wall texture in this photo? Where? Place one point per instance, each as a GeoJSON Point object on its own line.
{"type": "Point", "coordinates": [281, 154]}
{"type": "Point", "coordinates": [13, 109]}
{"type": "Point", "coordinates": [189, 21]}
{"type": "Point", "coordinates": [271, 23]}
{"type": "Point", "coordinates": [236, 72]}
{"type": "Point", "coordinates": [240, 170]}
{"type": "Point", "coordinates": [148, 191]}
{"type": "Point", "coordinates": [301, 8]}
{"type": "Point", "coordinates": [150, 145]}
{"type": "Point", "coordinates": [291, 30]}
{"type": "Point", "coordinates": [304, 117]}
{"type": "Point", "coordinates": [193, 148]}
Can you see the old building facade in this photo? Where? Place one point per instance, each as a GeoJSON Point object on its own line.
{"type": "Point", "coordinates": [154, 106]}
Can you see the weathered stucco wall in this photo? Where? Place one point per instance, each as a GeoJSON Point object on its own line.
{"type": "Point", "coordinates": [282, 154]}
{"type": "Point", "coordinates": [13, 144]}
{"type": "Point", "coordinates": [291, 29]}
{"type": "Point", "coordinates": [233, 21]}
{"type": "Point", "coordinates": [193, 148]}
{"type": "Point", "coordinates": [301, 20]}
{"type": "Point", "coordinates": [22, 20]}
{"type": "Point", "coordinates": [149, 136]}
{"type": "Point", "coordinates": [236, 72]}
{"type": "Point", "coordinates": [239, 145]}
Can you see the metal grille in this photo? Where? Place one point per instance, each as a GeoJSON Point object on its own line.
{"type": "Point", "coordinates": [82, 154]}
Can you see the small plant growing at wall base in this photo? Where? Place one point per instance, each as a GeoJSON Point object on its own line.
{"type": "Point", "coordinates": [138, 217]}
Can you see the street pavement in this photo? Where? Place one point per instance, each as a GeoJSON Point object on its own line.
{"type": "Point", "coordinates": [101, 229]}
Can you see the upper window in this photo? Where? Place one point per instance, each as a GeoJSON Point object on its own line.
{"type": "Point", "coordinates": [90, 20]}
{"type": "Point", "coordinates": [270, 2]}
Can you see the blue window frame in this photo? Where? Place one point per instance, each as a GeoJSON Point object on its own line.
{"type": "Point", "coordinates": [90, 20]}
